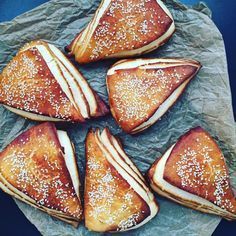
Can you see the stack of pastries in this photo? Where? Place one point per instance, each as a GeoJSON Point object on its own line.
{"type": "Point", "coordinates": [40, 83]}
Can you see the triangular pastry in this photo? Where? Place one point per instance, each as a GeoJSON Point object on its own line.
{"type": "Point", "coordinates": [116, 195]}
{"type": "Point", "coordinates": [41, 84]}
{"type": "Point", "coordinates": [193, 173]}
{"type": "Point", "coordinates": [122, 28]}
{"type": "Point", "coordinates": [39, 168]}
{"type": "Point", "coordinates": [142, 90]}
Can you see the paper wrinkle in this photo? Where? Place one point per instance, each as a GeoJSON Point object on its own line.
{"type": "Point", "coordinates": [206, 102]}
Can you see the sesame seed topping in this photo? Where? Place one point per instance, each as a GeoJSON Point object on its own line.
{"type": "Point", "coordinates": [137, 93]}
{"type": "Point", "coordinates": [131, 221]}
{"type": "Point", "coordinates": [127, 25]}
{"type": "Point", "coordinates": [34, 164]}
{"type": "Point", "coordinates": [111, 200]}
{"type": "Point", "coordinates": [201, 169]}
{"type": "Point", "coordinates": [27, 84]}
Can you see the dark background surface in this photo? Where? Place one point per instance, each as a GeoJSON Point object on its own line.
{"type": "Point", "coordinates": [12, 220]}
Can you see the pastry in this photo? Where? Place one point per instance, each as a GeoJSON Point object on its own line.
{"type": "Point", "coordinates": [193, 172]}
{"type": "Point", "coordinates": [122, 28]}
{"type": "Point", "coordinates": [39, 168]}
{"type": "Point", "coordinates": [142, 90]}
{"type": "Point", "coordinates": [41, 84]}
{"type": "Point", "coordinates": [116, 196]}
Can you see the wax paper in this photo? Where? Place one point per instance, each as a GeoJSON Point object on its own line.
{"type": "Point", "coordinates": [206, 102]}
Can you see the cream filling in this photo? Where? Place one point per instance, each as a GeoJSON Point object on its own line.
{"type": "Point", "coordinates": [163, 107]}
{"type": "Point", "coordinates": [159, 181]}
{"type": "Point", "coordinates": [126, 158]}
{"type": "Point", "coordinates": [77, 95]}
{"type": "Point", "coordinates": [106, 142]}
{"type": "Point", "coordinates": [33, 116]}
{"type": "Point", "coordinates": [87, 34]}
{"type": "Point", "coordinates": [79, 78]}
{"type": "Point", "coordinates": [137, 188]}
{"type": "Point", "coordinates": [92, 26]}
{"type": "Point", "coordinates": [79, 41]}
{"type": "Point", "coordinates": [70, 159]}
{"type": "Point", "coordinates": [157, 63]}
{"type": "Point", "coordinates": [55, 70]}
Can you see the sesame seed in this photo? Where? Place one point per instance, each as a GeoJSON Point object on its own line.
{"type": "Point", "coordinates": [37, 169]}
{"type": "Point", "coordinates": [109, 201]}
{"type": "Point", "coordinates": [202, 169]}
{"type": "Point", "coordinates": [127, 25]}
{"type": "Point", "coordinates": [138, 92]}
{"type": "Point", "coordinates": [28, 84]}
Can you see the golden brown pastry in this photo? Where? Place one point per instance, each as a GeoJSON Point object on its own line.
{"type": "Point", "coordinates": [142, 90]}
{"type": "Point", "coordinates": [116, 195]}
{"type": "Point", "coordinates": [39, 168]}
{"type": "Point", "coordinates": [193, 172]}
{"type": "Point", "coordinates": [122, 28]}
{"type": "Point", "coordinates": [41, 84]}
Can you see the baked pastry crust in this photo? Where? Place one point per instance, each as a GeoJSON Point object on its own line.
{"type": "Point", "coordinates": [36, 169]}
{"type": "Point", "coordinates": [142, 90]}
{"type": "Point", "coordinates": [123, 29]}
{"type": "Point", "coordinates": [193, 173]}
{"type": "Point", "coordinates": [116, 195]}
{"type": "Point", "coordinates": [40, 83]}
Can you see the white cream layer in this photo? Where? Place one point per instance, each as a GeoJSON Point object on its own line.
{"type": "Point", "coordinates": [89, 30]}
{"type": "Point", "coordinates": [126, 158]}
{"type": "Point", "coordinates": [55, 70]}
{"type": "Point", "coordinates": [112, 150]}
{"type": "Point", "coordinates": [33, 116]}
{"type": "Point", "coordinates": [70, 159]}
{"type": "Point", "coordinates": [87, 92]}
{"type": "Point", "coordinates": [156, 63]}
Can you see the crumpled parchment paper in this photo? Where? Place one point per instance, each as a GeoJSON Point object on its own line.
{"type": "Point", "coordinates": [206, 102]}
